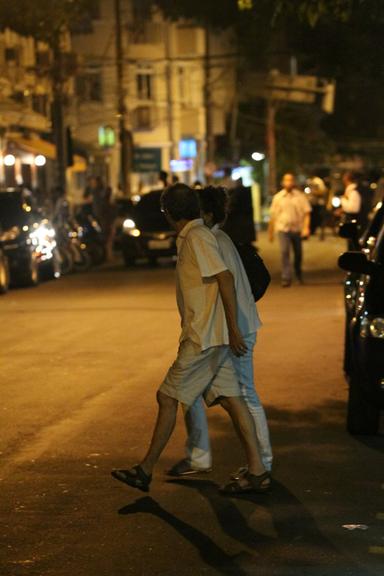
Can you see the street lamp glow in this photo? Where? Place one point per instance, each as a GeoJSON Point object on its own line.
{"type": "Point", "coordinates": [258, 156]}
{"type": "Point", "coordinates": [40, 160]}
{"type": "Point", "coordinates": [9, 160]}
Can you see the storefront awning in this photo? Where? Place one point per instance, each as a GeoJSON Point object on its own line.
{"type": "Point", "coordinates": [39, 146]}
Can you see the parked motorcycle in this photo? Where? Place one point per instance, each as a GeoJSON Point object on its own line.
{"type": "Point", "coordinates": [92, 237]}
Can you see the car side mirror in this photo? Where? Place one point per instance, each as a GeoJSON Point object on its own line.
{"type": "Point", "coordinates": [357, 262]}
{"type": "Point", "coordinates": [349, 230]}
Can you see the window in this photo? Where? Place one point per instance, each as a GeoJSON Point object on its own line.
{"type": "Point", "coordinates": [142, 118]}
{"type": "Point", "coordinates": [144, 85]}
{"type": "Point", "coordinates": [143, 32]}
{"type": "Point", "coordinates": [89, 86]}
{"type": "Point", "coordinates": [84, 25]}
{"type": "Point", "coordinates": [40, 104]}
{"type": "Point", "coordinates": [43, 59]}
{"type": "Point", "coordinates": [11, 55]}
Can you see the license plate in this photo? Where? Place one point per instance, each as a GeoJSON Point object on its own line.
{"type": "Point", "coordinates": [160, 244]}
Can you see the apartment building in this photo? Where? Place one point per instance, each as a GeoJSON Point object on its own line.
{"type": "Point", "coordinates": [25, 95]}
{"type": "Point", "coordinates": [168, 84]}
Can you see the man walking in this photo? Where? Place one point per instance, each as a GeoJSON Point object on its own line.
{"type": "Point", "coordinates": [290, 218]}
{"type": "Point", "coordinates": [213, 203]}
{"type": "Point", "coordinates": [207, 306]}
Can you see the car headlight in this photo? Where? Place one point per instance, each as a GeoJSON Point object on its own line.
{"type": "Point", "coordinates": [129, 224]}
{"type": "Point", "coordinates": [377, 328]}
{"type": "Point", "coordinates": [43, 238]}
{"type": "Point", "coordinates": [10, 234]}
{"type": "Point", "coordinates": [373, 327]}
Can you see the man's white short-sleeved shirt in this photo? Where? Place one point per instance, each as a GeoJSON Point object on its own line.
{"type": "Point", "coordinates": [289, 210]}
{"type": "Point", "coordinates": [198, 298]}
{"type": "Point", "coordinates": [247, 316]}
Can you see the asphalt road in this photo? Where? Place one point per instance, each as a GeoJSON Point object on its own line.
{"type": "Point", "coordinates": [81, 359]}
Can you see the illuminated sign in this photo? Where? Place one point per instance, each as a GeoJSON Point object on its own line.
{"type": "Point", "coordinates": [107, 137]}
{"type": "Point", "coordinates": [181, 165]}
{"type": "Point", "coordinates": [188, 148]}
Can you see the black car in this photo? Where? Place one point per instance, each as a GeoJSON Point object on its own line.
{"type": "Point", "coordinates": [357, 241]}
{"type": "Point", "coordinates": [366, 329]}
{"type": "Point", "coordinates": [27, 239]}
{"type": "Point", "coordinates": [147, 233]}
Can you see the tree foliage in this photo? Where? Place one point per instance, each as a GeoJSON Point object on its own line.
{"type": "Point", "coordinates": [42, 19]}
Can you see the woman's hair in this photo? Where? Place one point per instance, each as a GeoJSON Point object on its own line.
{"type": "Point", "coordinates": [181, 202]}
{"type": "Point", "coordinates": [214, 200]}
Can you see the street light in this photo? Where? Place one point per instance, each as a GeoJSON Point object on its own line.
{"type": "Point", "coordinates": [9, 160]}
{"type": "Point", "coordinates": [258, 156]}
{"type": "Point", "coordinates": [40, 160]}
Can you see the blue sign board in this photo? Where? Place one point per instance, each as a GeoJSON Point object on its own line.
{"type": "Point", "coordinates": [188, 148]}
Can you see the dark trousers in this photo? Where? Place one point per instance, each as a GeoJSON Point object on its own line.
{"type": "Point", "coordinates": [288, 240]}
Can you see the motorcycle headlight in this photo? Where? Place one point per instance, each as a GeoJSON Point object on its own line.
{"type": "Point", "coordinates": [377, 327]}
{"type": "Point", "coordinates": [129, 224]}
{"type": "Point", "coordinates": [42, 234]}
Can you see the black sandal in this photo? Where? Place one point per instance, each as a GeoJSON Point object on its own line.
{"type": "Point", "coordinates": [135, 477]}
{"type": "Point", "coordinates": [256, 485]}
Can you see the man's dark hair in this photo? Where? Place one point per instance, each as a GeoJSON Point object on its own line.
{"type": "Point", "coordinates": [181, 202]}
{"type": "Point", "coordinates": [352, 176]}
{"type": "Point", "coordinates": [214, 200]}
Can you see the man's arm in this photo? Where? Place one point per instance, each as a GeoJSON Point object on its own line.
{"type": "Point", "coordinates": [306, 230]}
{"type": "Point", "coordinates": [228, 296]}
{"type": "Point", "coordinates": [271, 228]}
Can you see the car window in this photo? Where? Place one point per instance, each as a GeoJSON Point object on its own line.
{"type": "Point", "coordinates": [379, 250]}
{"type": "Point", "coordinates": [374, 226]}
{"type": "Point", "coordinates": [12, 212]}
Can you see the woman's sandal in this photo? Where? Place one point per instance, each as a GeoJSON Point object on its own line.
{"type": "Point", "coordinates": [255, 485]}
{"type": "Point", "coordinates": [135, 477]}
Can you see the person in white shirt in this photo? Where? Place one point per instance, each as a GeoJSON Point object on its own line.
{"type": "Point", "coordinates": [351, 199]}
{"type": "Point", "coordinates": [290, 218]}
{"type": "Point", "coordinates": [209, 332]}
{"type": "Point", "coordinates": [214, 201]}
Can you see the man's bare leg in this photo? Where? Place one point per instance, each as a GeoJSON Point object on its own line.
{"type": "Point", "coordinates": [165, 424]}
{"type": "Point", "coordinates": [245, 428]}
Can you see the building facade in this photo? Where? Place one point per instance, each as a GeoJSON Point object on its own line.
{"type": "Point", "coordinates": [178, 87]}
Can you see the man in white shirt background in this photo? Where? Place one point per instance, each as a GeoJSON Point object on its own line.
{"type": "Point", "coordinates": [290, 218]}
{"type": "Point", "coordinates": [351, 199]}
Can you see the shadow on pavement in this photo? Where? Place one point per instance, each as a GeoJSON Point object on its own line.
{"type": "Point", "coordinates": [298, 547]}
{"type": "Point", "coordinates": [210, 553]}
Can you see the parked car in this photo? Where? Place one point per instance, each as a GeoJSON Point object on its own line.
{"type": "Point", "coordinates": [357, 241]}
{"type": "Point", "coordinates": [4, 271]}
{"type": "Point", "coordinates": [27, 238]}
{"type": "Point", "coordinates": [147, 234]}
{"type": "Point", "coordinates": [365, 323]}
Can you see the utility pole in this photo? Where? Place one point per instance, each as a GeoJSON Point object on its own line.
{"type": "Point", "coordinates": [59, 132]}
{"type": "Point", "coordinates": [271, 145]}
{"type": "Point", "coordinates": [209, 136]}
{"type": "Point", "coordinates": [170, 111]}
{"type": "Point", "coordinates": [125, 136]}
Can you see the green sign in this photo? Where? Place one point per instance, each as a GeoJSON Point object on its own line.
{"type": "Point", "coordinates": [147, 160]}
{"type": "Point", "coordinates": [107, 137]}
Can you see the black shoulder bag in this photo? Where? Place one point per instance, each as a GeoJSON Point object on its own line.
{"type": "Point", "coordinates": [257, 272]}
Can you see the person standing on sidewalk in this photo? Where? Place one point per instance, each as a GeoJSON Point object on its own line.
{"type": "Point", "coordinates": [208, 310]}
{"type": "Point", "coordinates": [213, 202]}
{"type": "Point", "coordinates": [351, 199]}
{"type": "Point", "coordinates": [290, 218]}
